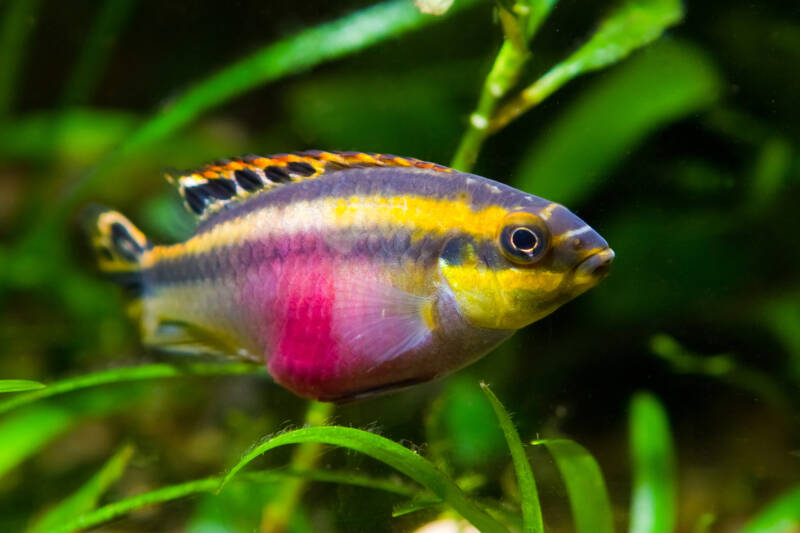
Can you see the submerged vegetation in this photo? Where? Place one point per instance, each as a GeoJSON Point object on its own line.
{"type": "Point", "coordinates": [674, 131]}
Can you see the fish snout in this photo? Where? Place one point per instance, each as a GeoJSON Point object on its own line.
{"type": "Point", "coordinates": [595, 267]}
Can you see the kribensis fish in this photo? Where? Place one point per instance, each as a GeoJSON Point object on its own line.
{"type": "Point", "coordinates": [351, 273]}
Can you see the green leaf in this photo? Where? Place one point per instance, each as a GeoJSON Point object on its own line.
{"type": "Point", "coordinates": [133, 373]}
{"type": "Point", "coordinates": [100, 41]}
{"type": "Point", "coordinates": [240, 506]}
{"type": "Point", "coordinates": [781, 314]}
{"type": "Point", "coordinates": [85, 498]}
{"type": "Point", "coordinates": [539, 9]}
{"type": "Point", "coordinates": [17, 385]}
{"type": "Point", "coordinates": [300, 52]}
{"type": "Point", "coordinates": [610, 118]}
{"type": "Point", "coordinates": [415, 505]}
{"type": "Point", "coordinates": [25, 432]}
{"type": "Point", "coordinates": [531, 510]}
{"type": "Point", "coordinates": [19, 17]}
{"type": "Point", "coordinates": [388, 452]}
{"type": "Point", "coordinates": [281, 509]}
{"type": "Point", "coordinates": [723, 367]}
{"type": "Point", "coordinates": [653, 505]}
{"type": "Point", "coordinates": [120, 508]}
{"type": "Point", "coordinates": [588, 496]}
{"type": "Point", "coordinates": [634, 24]}
{"type": "Point", "coordinates": [781, 516]}
{"type": "Point", "coordinates": [209, 485]}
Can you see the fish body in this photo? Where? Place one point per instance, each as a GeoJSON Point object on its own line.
{"type": "Point", "coordinates": [351, 273]}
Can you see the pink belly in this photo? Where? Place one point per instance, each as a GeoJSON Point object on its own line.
{"type": "Point", "coordinates": [304, 354]}
{"type": "Point", "coordinates": [308, 313]}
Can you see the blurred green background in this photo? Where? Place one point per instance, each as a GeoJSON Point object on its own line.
{"type": "Point", "coordinates": [684, 156]}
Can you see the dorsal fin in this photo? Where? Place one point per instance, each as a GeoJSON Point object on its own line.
{"type": "Point", "coordinates": [216, 185]}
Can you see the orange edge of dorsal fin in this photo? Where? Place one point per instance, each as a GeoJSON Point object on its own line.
{"type": "Point", "coordinates": [212, 187]}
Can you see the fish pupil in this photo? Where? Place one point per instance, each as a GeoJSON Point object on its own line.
{"type": "Point", "coordinates": [524, 240]}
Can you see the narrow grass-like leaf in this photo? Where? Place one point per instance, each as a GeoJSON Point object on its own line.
{"type": "Point", "coordinates": [782, 316]}
{"type": "Point", "coordinates": [388, 452]}
{"type": "Point", "coordinates": [18, 18]}
{"type": "Point", "coordinates": [393, 486]}
{"type": "Point", "coordinates": [25, 432]}
{"type": "Point", "coordinates": [634, 24]}
{"type": "Point", "coordinates": [86, 497]}
{"type": "Point", "coordinates": [531, 510]}
{"type": "Point", "coordinates": [723, 367]}
{"type": "Point", "coordinates": [609, 119]}
{"type": "Point", "coordinates": [120, 508]}
{"type": "Point", "coordinates": [18, 385]}
{"type": "Point", "coordinates": [133, 373]}
{"type": "Point", "coordinates": [539, 11]}
{"type": "Point", "coordinates": [278, 512]}
{"type": "Point", "coordinates": [99, 43]}
{"type": "Point", "coordinates": [210, 485]}
{"type": "Point", "coordinates": [302, 51]}
{"type": "Point", "coordinates": [588, 496]}
{"type": "Point", "coordinates": [780, 516]}
{"type": "Point", "coordinates": [415, 505]}
{"type": "Point", "coordinates": [653, 505]}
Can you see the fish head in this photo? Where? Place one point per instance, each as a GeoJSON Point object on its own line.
{"type": "Point", "coordinates": [532, 258]}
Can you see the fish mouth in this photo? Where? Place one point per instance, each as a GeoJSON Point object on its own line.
{"type": "Point", "coordinates": [595, 267]}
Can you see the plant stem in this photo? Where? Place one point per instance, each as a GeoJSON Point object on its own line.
{"type": "Point", "coordinates": [277, 513]}
{"type": "Point", "coordinates": [503, 75]}
{"type": "Point", "coordinates": [529, 97]}
{"type": "Point", "coordinates": [518, 29]}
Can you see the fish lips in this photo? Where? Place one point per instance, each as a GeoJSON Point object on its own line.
{"type": "Point", "coordinates": [593, 269]}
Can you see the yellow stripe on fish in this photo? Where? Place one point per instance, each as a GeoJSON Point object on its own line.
{"type": "Point", "coordinates": [424, 216]}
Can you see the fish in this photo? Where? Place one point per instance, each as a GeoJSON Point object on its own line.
{"type": "Point", "coordinates": [349, 274]}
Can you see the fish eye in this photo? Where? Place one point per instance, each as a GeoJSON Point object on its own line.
{"type": "Point", "coordinates": [524, 241]}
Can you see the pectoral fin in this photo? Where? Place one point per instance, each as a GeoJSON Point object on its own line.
{"type": "Point", "coordinates": [383, 322]}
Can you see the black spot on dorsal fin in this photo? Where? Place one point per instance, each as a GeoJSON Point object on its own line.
{"type": "Point", "coordinates": [248, 179]}
{"type": "Point", "coordinates": [214, 186]}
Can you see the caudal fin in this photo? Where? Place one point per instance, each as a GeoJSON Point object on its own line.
{"type": "Point", "coordinates": [118, 245]}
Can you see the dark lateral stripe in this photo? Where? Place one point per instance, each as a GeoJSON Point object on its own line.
{"type": "Point", "coordinates": [455, 251]}
{"type": "Point", "coordinates": [237, 259]}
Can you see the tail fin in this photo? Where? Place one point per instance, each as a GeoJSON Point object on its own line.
{"type": "Point", "coordinates": [119, 246]}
